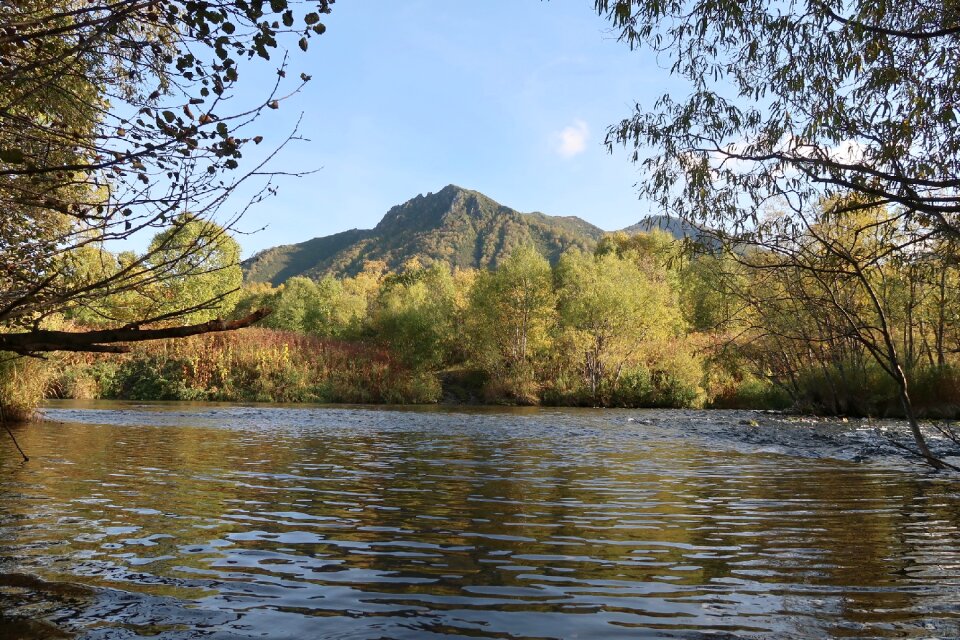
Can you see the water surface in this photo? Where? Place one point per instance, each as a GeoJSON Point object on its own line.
{"type": "Point", "coordinates": [206, 521]}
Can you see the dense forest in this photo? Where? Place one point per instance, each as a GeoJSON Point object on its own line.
{"type": "Point", "coordinates": [645, 320]}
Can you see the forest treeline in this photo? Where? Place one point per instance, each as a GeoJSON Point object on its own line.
{"type": "Point", "coordinates": [643, 321]}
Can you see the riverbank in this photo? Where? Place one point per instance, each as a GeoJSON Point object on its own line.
{"type": "Point", "coordinates": [269, 365]}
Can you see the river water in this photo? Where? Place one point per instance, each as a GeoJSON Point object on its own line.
{"type": "Point", "coordinates": [219, 521]}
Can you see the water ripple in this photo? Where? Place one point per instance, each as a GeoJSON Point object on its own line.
{"type": "Point", "coordinates": [230, 522]}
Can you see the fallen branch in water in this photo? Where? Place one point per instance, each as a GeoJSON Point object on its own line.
{"type": "Point", "coordinates": [947, 433]}
{"type": "Point", "coordinates": [3, 418]}
{"type": "Point", "coordinates": [931, 459]}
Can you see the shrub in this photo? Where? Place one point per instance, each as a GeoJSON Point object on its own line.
{"type": "Point", "coordinates": [258, 365]}
{"type": "Point", "coordinates": [751, 393]}
{"type": "Point", "coordinates": [935, 392]}
{"type": "Point", "coordinates": [23, 382]}
{"type": "Point", "coordinates": [634, 388]}
{"type": "Point", "coordinates": [847, 389]}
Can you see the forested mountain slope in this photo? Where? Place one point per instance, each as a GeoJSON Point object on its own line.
{"type": "Point", "coordinates": [461, 227]}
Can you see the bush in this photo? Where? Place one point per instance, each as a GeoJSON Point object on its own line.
{"type": "Point", "coordinates": [935, 392]}
{"type": "Point", "coordinates": [252, 365]}
{"type": "Point", "coordinates": [634, 389]}
{"type": "Point", "coordinates": [751, 393]}
{"type": "Point", "coordinates": [83, 378]}
{"type": "Point", "coordinates": [152, 378]}
{"type": "Point", "coordinates": [23, 382]}
{"type": "Point", "coordinates": [847, 389]}
{"type": "Point", "coordinates": [676, 378]}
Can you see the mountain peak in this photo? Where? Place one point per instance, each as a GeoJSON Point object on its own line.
{"type": "Point", "coordinates": [434, 210]}
{"type": "Point", "coordinates": [454, 226]}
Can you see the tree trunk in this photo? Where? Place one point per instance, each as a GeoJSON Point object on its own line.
{"type": "Point", "coordinates": [942, 318]}
{"type": "Point", "coordinates": [912, 420]}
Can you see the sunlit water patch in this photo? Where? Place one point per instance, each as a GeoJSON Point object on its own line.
{"type": "Point", "coordinates": [175, 521]}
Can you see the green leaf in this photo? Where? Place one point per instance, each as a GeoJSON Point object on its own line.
{"type": "Point", "coordinates": [312, 18]}
{"type": "Point", "coordinates": [303, 44]}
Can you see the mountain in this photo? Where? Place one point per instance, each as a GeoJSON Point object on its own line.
{"type": "Point", "coordinates": [679, 229]}
{"type": "Point", "coordinates": [456, 226]}
{"type": "Point", "coordinates": [676, 227]}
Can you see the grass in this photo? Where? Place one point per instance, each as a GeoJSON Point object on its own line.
{"type": "Point", "coordinates": [251, 365]}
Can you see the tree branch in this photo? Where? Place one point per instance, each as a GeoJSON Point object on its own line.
{"type": "Point", "coordinates": [104, 340]}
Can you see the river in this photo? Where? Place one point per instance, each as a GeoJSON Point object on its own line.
{"type": "Point", "coordinates": [175, 521]}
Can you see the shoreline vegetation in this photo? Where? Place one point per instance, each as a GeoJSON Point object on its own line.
{"type": "Point", "coordinates": [276, 366]}
{"type": "Point", "coordinates": [643, 321]}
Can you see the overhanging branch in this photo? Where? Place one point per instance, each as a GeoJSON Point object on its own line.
{"type": "Point", "coordinates": [110, 340]}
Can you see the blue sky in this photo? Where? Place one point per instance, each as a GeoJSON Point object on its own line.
{"type": "Point", "coordinates": [511, 98]}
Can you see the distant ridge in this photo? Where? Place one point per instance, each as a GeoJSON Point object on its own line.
{"type": "Point", "coordinates": [676, 227]}
{"type": "Point", "coordinates": [679, 229]}
{"type": "Point", "coordinates": [455, 226]}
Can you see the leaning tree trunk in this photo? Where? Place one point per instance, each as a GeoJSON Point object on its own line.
{"type": "Point", "coordinates": [893, 363]}
{"type": "Point", "coordinates": [911, 417]}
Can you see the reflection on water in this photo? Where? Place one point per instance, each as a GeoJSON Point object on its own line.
{"type": "Point", "coordinates": [243, 522]}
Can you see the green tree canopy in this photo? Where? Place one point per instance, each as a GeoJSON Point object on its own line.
{"type": "Point", "coordinates": [414, 315]}
{"type": "Point", "coordinates": [614, 308]}
{"type": "Point", "coordinates": [195, 267]}
{"type": "Point", "coordinates": [798, 101]}
{"type": "Point", "coordinates": [510, 316]}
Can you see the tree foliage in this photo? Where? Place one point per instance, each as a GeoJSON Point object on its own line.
{"type": "Point", "coordinates": [115, 119]}
{"type": "Point", "coordinates": [824, 132]}
{"type": "Point", "coordinates": [614, 309]}
{"type": "Point", "coordinates": [414, 315]}
{"type": "Point", "coordinates": [200, 262]}
{"type": "Point", "coordinates": [843, 295]}
{"type": "Point", "coordinates": [511, 314]}
{"type": "Point", "coordinates": [795, 102]}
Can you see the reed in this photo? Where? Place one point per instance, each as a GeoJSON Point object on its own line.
{"type": "Point", "coordinates": [23, 382]}
{"type": "Point", "coordinates": [252, 365]}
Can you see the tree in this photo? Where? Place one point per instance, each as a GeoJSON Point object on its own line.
{"type": "Point", "coordinates": [795, 104]}
{"type": "Point", "coordinates": [798, 102]}
{"type": "Point", "coordinates": [615, 308]}
{"type": "Point", "coordinates": [200, 264]}
{"type": "Point", "coordinates": [835, 289]}
{"type": "Point", "coordinates": [655, 251]}
{"type": "Point", "coordinates": [115, 119]}
{"type": "Point", "coordinates": [510, 314]}
{"type": "Point", "coordinates": [308, 306]}
{"type": "Point", "coordinates": [191, 274]}
{"type": "Point", "coordinates": [414, 315]}
{"type": "Point", "coordinates": [293, 305]}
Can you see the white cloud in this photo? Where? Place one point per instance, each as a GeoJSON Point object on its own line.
{"type": "Point", "coordinates": [848, 152]}
{"type": "Point", "coordinates": [572, 140]}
